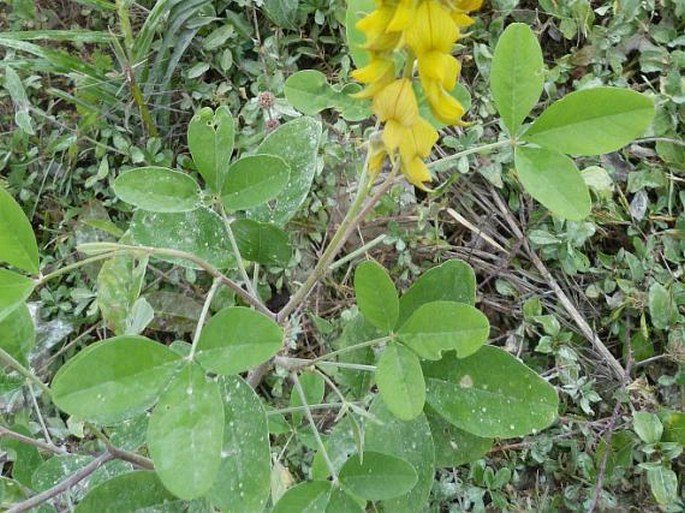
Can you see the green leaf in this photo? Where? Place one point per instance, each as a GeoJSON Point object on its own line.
{"type": "Point", "coordinates": [378, 476]}
{"type": "Point", "coordinates": [282, 12]}
{"type": "Point", "coordinates": [351, 109]}
{"type": "Point", "coordinates": [118, 286]}
{"type": "Point", "coordinates": [25, 458]}
{"type": "Point", "coordinates": [211, 137]}
{"type": "Point", "coordinates": [356, 10]}
{"type": "Point", "coordinates": [157, 189]}
{"type": "Point", "coordinates": [664, 484]}
{"type": "Point", "coordinates": [14, 290]}
{"type": "Point", "coordinates": [309, 92]}
{"type": "Point", "coordinates": [56, 469]}
{"type": "Point", "coordinates": [517, 75]}
{"type": "Point", "coordinates": [661, 306]}
{"type": "Point", "coordinates": [647, 426]}
{"type": "Point", "coordinates": [134, 491]}
{"type": "Point", "coordinates": [262, 242]}
{"type": "Point", "coordinates": [254, 180]}
{"type": "Point", "coordinates": [400, 382]}
{"type": "Point", "coordinates": [174, 312]}
{"type": "Point", "coordinates": [592, 121]}
{"type": "Point", "coordinates": [21, 102]}
{"type": "Point", "coordinates": [310, 497]}
{"type": "Point", "coordinates": [453, 446]}
{"type": "Point", "coordinates": [237, 339]}
{"type": "Point", "coordinates": [296, 142]}
{"type": "Point", "coordinates": [340, 502]}
{"type": "Point", "coordinates": [113, 379]}
{"type": "Point", "coordinates": [314, 387]}
{"type": "Point", "coordinates": [186, 432]}
{"type": "Point", "coordinates": [242, 485]}
{"type": "Point", "coordinates": [17, 334]}
{"type": "Point", "coordinates": [674, 426]}
{"type": "Point", "coordinates": [200, 232]}
{"type": "Point", "coordinates": [453, 280]}
{"type": "Point", "coordinates": [443, 326]}
{"type": "Point", "coordinates": [554, 180]}
{"type": "Point", "coordinates": [17, 243]}
{"type": "Point", "coordinates": [410, 441]}
{"type": "Point", "coordinates": [376, 295]}
{"type": "Point", "coordinates": [490, 394]}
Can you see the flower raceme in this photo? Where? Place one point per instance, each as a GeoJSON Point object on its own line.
{"type": "Point", "coordinates": [424, 32]}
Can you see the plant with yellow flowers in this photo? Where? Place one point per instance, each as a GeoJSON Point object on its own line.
{"type": "Point", "coordinates": [207, 433]}
{"type": "Point", "coordinates": [420, 33]}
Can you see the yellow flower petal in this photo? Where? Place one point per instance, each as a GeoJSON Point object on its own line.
{"type": "Point", "coordinates": [377, 69]}
{"type": "Point", "coordinates": [439, 67]}
{"type": "Point", "coordinates": [432, 29]}
{"type": "Point", "coordinates": [462, 20]}
{"type": "Point", "coordinates": [393, 135]}
{"type": "Point", "coordinates": [404, 12]}
{"type": "Point", "coordinates": [468, 5]}
{"type": "Point", "coordinates": [443, 106]}
{"type": "Point", "coordinates": [418, 140]}
{"type": "Point", "coordinates": [416, 172]}
{"type": "Point", "coordinates": [397, 101]}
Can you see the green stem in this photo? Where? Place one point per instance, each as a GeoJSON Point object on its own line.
{"type": "Point", "coordinates": [359, 251]}
{"type": "Point", "coordinates": [341, 234]}
{"type": "Point", "coordinates": [317, 435]}
{"type": "Point", "coordinates": [470, 151]}
{"type": "Point", "coordinates": [9, 360]}
{"type": "Point", "coordinates": [238, 256]}
{"type": "Point", "coordinates": [361, 345]}
{"type": "Point", "coordinates": [68, 268]}
{"type": "Point", "coordinates": [203, 316]}
{"type": "Point", "coordinates": [293, 364]}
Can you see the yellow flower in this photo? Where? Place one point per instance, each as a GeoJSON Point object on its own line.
{"type": "Point", "coordinates": [378, 73]}
{"type": "Point", "coordinates": [396, 103]}
{"type": "Point", "coordinates": [429, 28]}
{"type": "Point", "coordinates": [432, 29]}
{"type": "Point", "coordinates": [404, 12]}
{"type": "Point", "coordinates": [405, 131]}
{"type": "Point", "coordinates": [431, 37]}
